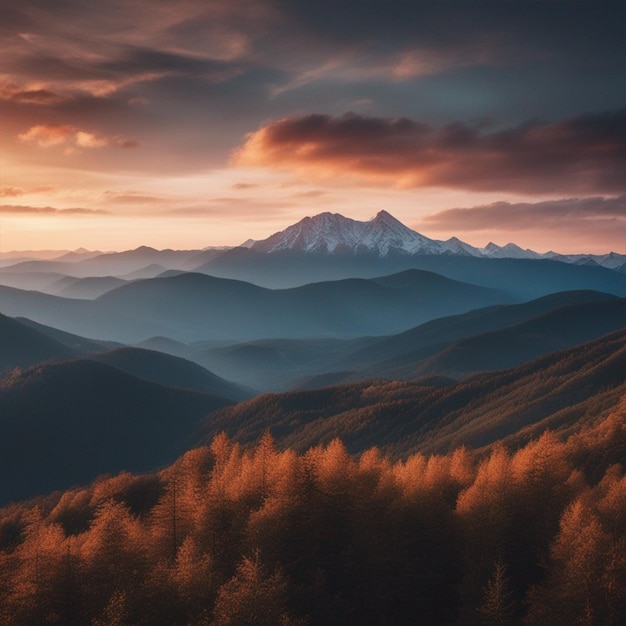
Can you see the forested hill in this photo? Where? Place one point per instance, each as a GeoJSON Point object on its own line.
{"type": "Point", "coordinates": [562, 391]}
{"type": "Point", "coordinates": [228, 536]}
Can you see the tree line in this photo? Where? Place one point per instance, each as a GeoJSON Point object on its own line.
{"type": "Point", "coordinates": [233, 535]}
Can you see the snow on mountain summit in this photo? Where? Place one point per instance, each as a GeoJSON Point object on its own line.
{"type": "Point", "coordinates": [333, 233]}
{"type": "Point", "coordinates": [384, 235]}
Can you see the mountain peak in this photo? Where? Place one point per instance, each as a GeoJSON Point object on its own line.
{"type": "Point", "coordinates": [382, 235]}
{"type": "Point", "coordinates": [327, 233]}
{"type": "Point", "coordinates": [385, 216]}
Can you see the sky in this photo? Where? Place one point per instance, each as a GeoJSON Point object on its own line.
{"type": "Point", "coordinates": [201, 123]}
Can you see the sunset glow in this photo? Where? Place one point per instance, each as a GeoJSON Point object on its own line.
{"type": "Point", "coordinates": [207, 123]}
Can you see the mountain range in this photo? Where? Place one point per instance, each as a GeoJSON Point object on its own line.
{"type": "Point", "coordinates": [193, 307]}
{"type": "Point", "coordinates": [326, 234]}
{"type": "Point", "coordinates": [490, 338]}
{"type": "Point", "coordinates": [374, 333]}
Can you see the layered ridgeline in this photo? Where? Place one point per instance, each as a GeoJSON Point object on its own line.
{"type": "Point", "coordinates": [327, 247]}
{"type": "Point", "coordinates": [195, 307]}
{"type": "Point", "coordinates": [562, 391]}
{"type": "Point", "coordinates": [64, 423]}
{"type": "Point", "coordinates": [84, 407]}
{"type": "Point", "coordinates": [484, 339]}
{"type": "Point", "coordinates": [26, 343]}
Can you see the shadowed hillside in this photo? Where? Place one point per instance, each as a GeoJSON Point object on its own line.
{"type": "Point", "coordinates": [172, 371]}
{"type": "Point", "coordinates": [23, 346]}
{"type": "Point", "coordinates": [65, 423]}
{"type": "Point", "coordinates": [493, 337]}
{"type": "Point", "coordinates": [554, 330]}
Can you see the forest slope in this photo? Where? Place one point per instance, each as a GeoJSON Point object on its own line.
{"type": "Point", "coordinates": [562, 390]}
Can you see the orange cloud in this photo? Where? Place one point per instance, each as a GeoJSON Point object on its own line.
{"type": "Point", "coordinates": [533, 215]}
{"type": "Point", "coordinates": [11, 192]}
{"type": "Point", "coordinates": [583, 154]}
{"type": "Point", "coordinates": [48, 135]}
{"type": "Point", "coordinates": [89, 140]}
{"type": "Point", "coordinates": [47, 210]}
{"type": "Point", "coordinates": [29, 95]}
{"type": "Point", "coordinates": [15, 192]}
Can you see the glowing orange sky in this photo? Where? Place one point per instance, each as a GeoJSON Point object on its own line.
{"type": "Point", "coordinates": [207, 123]}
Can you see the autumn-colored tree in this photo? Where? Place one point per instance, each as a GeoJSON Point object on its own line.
{"type": "Point", "coordinates": [254, 597]}
{"type": "Point", "coordinates": [113, 556]}
{"type": "Point", "coordinates": [497, 536]}
{"type": "Point", "coordinates": [498, 605]}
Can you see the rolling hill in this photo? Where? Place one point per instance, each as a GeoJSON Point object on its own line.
{"type": "Point", "coordinates": [85, 288]}
{"type": "Point", "coordinates": [523, 279]}
{"type": "Point", "coordinates": [280, 365]}
{"type": "Point", "coordinates": [194, 307]}
{"type": "Point", "coordinates": [23, 346]}
{"type": "Point", "coordinates": [171, 371]}
{"type": "Point", "coordinates": [27, 343]}
{"type": "Point", "coordinates": [424, 352]}
{"type": "Point", "coordinates": [511, 346]}
{"type": "Point", "coordinates": [66, 423]}
{"type": "Point", "coordinates": [564, 390]}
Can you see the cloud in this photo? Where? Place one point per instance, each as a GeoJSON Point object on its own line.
{"type": "Point", "coordinates": [48, 135]}
{"type": "Point", "coordinates": [11, 192]}
{"type": "Point", "coordinates": [127, 143]}
{"type": "Point", "coordinates": [47, 210]}
{"type": "Point", "coordinates": [89, 140]}
{"type": "Point", "coordinates": [32, 95]}
{"type": "Point", "coordinates": [582, 154]}
{"type": "Point", "coordinates": [16, 192]}
{"type": "Point", "coordinates": [132, 198]}
{"type": "Point", "coordinates": [527, 215]}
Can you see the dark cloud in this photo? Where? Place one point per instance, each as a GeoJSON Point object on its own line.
{"type": "Point", "coordinates": [523, 215]}
{"type": "Point", "coordinates": [14, 93]}
{"type": "Point", "coordinates": [199, 74]}
{"type": "Point", "coordinates": [47, 210]}
{"type": "Point", "coordinates": [583, 154]}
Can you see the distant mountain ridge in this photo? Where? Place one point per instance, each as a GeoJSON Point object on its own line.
{"type": "Point", "coordinates": [332, 233]}
{"type": "Point", "coordinates": [196, 307]}
{"type": "Point", "coordinates": [323, 235]}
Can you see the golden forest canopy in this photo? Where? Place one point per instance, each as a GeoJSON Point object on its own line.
{"type": "Point", "coordinates": [261, 535]}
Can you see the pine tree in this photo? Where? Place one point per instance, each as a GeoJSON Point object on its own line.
{"type": "Point", "coordinates": [498, 606]}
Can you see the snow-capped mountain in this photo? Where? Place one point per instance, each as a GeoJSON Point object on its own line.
{"type": "Point", "coordinates": [384, 235]}
{"type": "Point", "coordinates": [331, 233]}
{"type": "Point", "coordinates": [508, 251]}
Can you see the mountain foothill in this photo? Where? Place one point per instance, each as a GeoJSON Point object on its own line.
{"type": "Point", "coordinates": [344, 423]}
